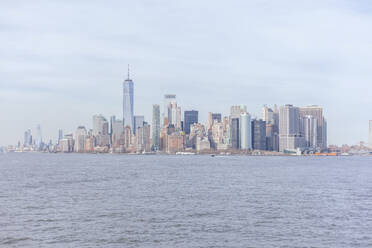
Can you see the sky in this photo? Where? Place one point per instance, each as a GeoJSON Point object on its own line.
{"type": "Point", "coordinates": [61, 62]}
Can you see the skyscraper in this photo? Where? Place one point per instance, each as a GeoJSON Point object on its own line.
{"type": "Point", "coordinates": [237, 110]}
{"type": "Point", "coordinates": [317, 113]}
{"type": "Point", "coordinates": [289, 128]}
{"type": "Point", "coordinates": [128, 108]}
{"type": "Point", "coordinates": [190, 117]}
{"type": "Point", "coordinates": [80, 136]}
{"type": "Point", "coordinates": [168, 99]}
{"type": "Point", "coordinates": [309, 127]}
{"type": "Point", "coordinates": [259, 135]}
{"type": "Point", "coordinates": [174, 115]}
{"type": "Point", "coordinates": [370, 135]}
{"type": "Point", "coordinates": [155, 127]}
{"type": "Point", "coordinates": [235, 143]}
{"type": "Point", "coordinates": [245, 132]}
{"type": "Point", "coordinates": [100, 125]}
{"type": "Point", "coordinates": [138, 122]}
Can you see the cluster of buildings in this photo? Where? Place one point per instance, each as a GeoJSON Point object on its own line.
{"type": "Point", "coordinates": [287, 129]}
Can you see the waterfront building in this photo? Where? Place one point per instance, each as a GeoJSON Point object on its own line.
{"type": "Point", "coordinates": [155, 127]}
{"type": "Point", "coordinates": [128, 103]}
{"type": "Point", "coordinates": [245, 131]}
{"type": "Point", "coordinates": [27, 138]}
{"type": "Point", "coordinates": [89, 144]}
{"type": "Point", "coordinates": [80, 136]}
{"type": "Point", "coordinates": [101, 130]}
{"type": "Point", "coordinates": [370, 134]}
{"type": "Point", "coordinates": [38, 138]}
{"type": "Point", "coordinates": [175, 142]}
{"type": "Point", "coordinates": [259, 134]}
{"type": "Point", "coordinates": [190, 117]}
{"type": "Point", "coordinates": [202, 144]}
{"type": "Point", "coordinates": [117, 133]}
{"type": "Point", "coordinates": [138, 122]}
{"type": "Point", "coordinates": [235, 143]}
{"type": "Point", "coordinates": [289, 128]}
{"type": "Point", "coordinates": [67, 143]}
{"type": "Point", "coordinates": [317, 113]}
{"type": "Point", "coordinates": [310, 129]}
{"type": "Point", "coordinates": [217, 136]}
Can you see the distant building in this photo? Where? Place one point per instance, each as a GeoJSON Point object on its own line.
{"type": "Point", "coordinates": [289, 128]}
{"type": "Point", "coordinates": [235, 143]}
{"type": "Point", "coordinates": [317, 113]}
{"type": "Point", "coordinates": [190, 117]}
{"type": "Point", "coordinates": [245, 131]}
{"type": "Point", "coordinates": [174, 115]}
{"type": "Point", "coordinates": [138, 122]}
{"type": "Point", "coordinates": [117, 133]}
{"type": "Point", "coordinates": [27, 138]}
{"type": "Point", "coordinates": [259, 135]}
{"type": "Point", "coordinates": [237, 110]}
{"type": "Point", "coordinates": [168, 99]}
{"type": "Point", "coordinates": [213, 117]}
{"type": "Point", "coordinates": [128, 103]}
{"type": "Point", "coordinates": [100, 125]}
{"type": "Point", "coordinates": [156, 127]}
{"type": "Point", "coordinates": [67, 143]}
{"type": "Point", "coordinates": [310, 129]}
{"type": "Point", "coordinates": [80, 136]}
{"type": "Point", "coordinates": [101, 131]}
{"type": "Point", "coordinates": [202, 144]}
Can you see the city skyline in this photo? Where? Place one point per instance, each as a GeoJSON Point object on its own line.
{"type": "Point", "coordinates": [288, 56]}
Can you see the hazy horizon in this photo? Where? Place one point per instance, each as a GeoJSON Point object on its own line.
{"type": "Point", "coordinates": [63, 62]}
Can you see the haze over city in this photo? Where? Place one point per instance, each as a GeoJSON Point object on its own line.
{"type": "Point", "coordinates": [64, 62]}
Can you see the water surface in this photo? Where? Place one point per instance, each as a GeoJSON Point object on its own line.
{"type": "Point", "coordinates": [83, 200]}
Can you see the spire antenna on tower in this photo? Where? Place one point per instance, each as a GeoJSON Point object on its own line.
{"type": "Point", "coordinates": [128, 71]}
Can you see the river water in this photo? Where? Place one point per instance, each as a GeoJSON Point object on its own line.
{"type": "Point", "coordinates": [84, 200]}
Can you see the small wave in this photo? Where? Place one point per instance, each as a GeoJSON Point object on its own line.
{"type": "Point", "coordinates": [11, 241]}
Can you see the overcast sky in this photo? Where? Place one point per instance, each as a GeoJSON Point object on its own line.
{"type": "Point", "coordinates": [63, 61]}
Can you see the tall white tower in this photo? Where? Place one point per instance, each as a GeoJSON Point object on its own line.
{"type": "Point", "coordinates": [128, 108]}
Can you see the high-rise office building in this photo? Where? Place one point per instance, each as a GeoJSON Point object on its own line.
{"type": "Point", "coordinates": [317, 113]}
{"type": "Point", "coordinates": [174, 115]}
{"type": "Point", "coordinates": [213, 117]}
{"type": "Point", "coordinates": [100, 125]}
{"type": "Point", "coordinates": [168, 99]}
{"type": "Point", "coordinates": [80, 136]}
{"type": "Point", "coordinates": [117, 133]}
{"type": "Point", "coordinates": [128, 103]}
{"type": "Point", "coordinates": [289, 128]}
{"type": "Point", "coordinates": [38, 138]}
{"type": "Point", "coordinates": [235, 143]}
{"type": "Point", "coordinates": [155, 127]}
{"type": "Point", "coordinates": [190, 117]}
{"type": "Point", "coordinates": [245, 131]}
{"type": "Point", "coordinates": [237, 110]}
{"type": "Point", "coordinates": [309, 129]}
{"type": "Point", "coordinates": [138, 122]}
{"type": "Point", "coordinates": [259, 135]}
{"type": "Point", "coordinates": [27, 138]}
